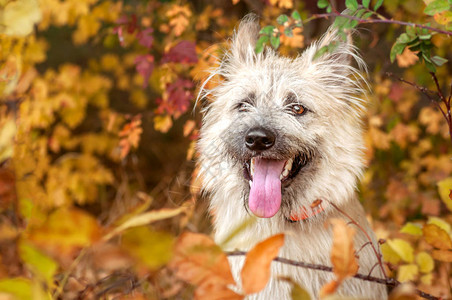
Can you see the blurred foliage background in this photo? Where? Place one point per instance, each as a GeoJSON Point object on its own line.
{"type": "Point", "coordinates": [98, 126]}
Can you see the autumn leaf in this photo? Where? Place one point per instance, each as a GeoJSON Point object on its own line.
{"type": "Point", "coordinates": [256, 269]}
{"type": "Point", "coordinates": [407, 58]}
{"type": "Point", "coordinates": [162, 123]}
{"type": "Point", "coordinates": [342, 252]}
{"type": "Point", "coordinates": [144, 219]}
{"type": "Point", "coordinates": [442, 255]}
{"type": "Point", "coordinates": [407, 272]}
{"type": "Point", "coordinates": [145, 37]}
{"type": "Point", "coordinates": [445, 190]}
{"type": "Point", "coordinates": [437, 237]}
{"type": "Point", "coordinates": [402, 248]}
{"type": "Point", "coordinates": [182, 52]}
{"type": "Point", "coordinates": [18, 17]}
{"type": "Point", "coordinates": [144, 66]}
{"type": "Point", "coordinates": [180, 95]}
{"type": "Point", "coordinates": [65, 232]}
{"type": "Point", "coordinates": [178, 16]}
{"type": "Point", "coordinates": [282, 3]}
{"type": "Point", "coordinates": [130, 136]}
{"type": "Point", "coordinates": [199, 261]}
{"type": "Point", "coordinates": [342, 255]}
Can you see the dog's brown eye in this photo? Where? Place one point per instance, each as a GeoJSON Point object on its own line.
{"type": "Point", "coordinates": [298, 109]}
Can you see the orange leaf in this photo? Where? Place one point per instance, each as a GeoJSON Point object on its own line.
{"type": "Point", "coordinates": [329, 288]}
{"type": "Point", "coordinates": [437, 237]}
{"type": "Point", "coordinates": [199, 261]}
{"type": "Point", "coordinates": [256, 270]}
{"type": "Point", "coordinates": [342, 251]}
{"type": "Point", "coordinates": [442, 255]}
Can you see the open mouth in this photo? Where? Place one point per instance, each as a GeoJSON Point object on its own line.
{"type": "Point", "coordinates": [291, 168]}
{"type": "Point", "coordinates": [266, 177]}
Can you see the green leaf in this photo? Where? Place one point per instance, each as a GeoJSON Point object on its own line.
{"type": "Point", "coordinates": [378, 4]}
{"type": "Point", "coordinates": [396, 49]}
{"type": "Point", "coordinates": [288, 32]}
{"type": "Point", "coordinates": [366, 3]}
{"type": "Point", "coordinates": [268, 30]}
{"type": "Point", "coordinates": [425, 36]}
{"type": "Point", "coordinates": [260, 43]}
{"type": "Point", "coordinates": [322, 3]}
{"type": "Point", "coordinates": [274, 41]}
{"type": "Point", "coordinates": [40, 264]}
{"type": "Point", "coordinates": [411, 228]}
{"type": "Point", "coordinates": [444, 190]}
{"type": "Point", "coordinates": [298, 293]}
{"type": "Point", "coordinates": [320, 52]}
{"type": "Point", "coordinates": [367, 15]}
{"type": "Point", "coordinates": [430, 66]}
{"type": "Point", "coordinates": [296, 15]}
{"type": "Point", "coordinates": [436, 6]}
{"type": "Point", "coordinates": [403, 38]}
{"type": "Point", "coordinates": [439, 61]}
{"type": "Point", "coordinates": [282, 19]}
{"type": "Point", "coordinates": [340, 22]}
{"type": "Point", "coordinates": [352, 5]}
{"type": "Point", "coordinates": [329, 9]}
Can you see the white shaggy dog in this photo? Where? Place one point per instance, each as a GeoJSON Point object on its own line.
{"type": "Point", "coordinates": [279, 135]}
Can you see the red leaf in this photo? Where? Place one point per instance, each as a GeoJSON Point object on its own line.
{"type": "Point", "coordinates": [145, 37]}
{"type": "Point", "coordinates": [183, 52]}
{"type": "Point", "coordinates": [145, 66]}
{"type": "Point", "coordinates": [179, 94]}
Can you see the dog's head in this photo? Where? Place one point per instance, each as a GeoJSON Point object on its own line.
{"type": "Point", "coordinates": [286, 131]}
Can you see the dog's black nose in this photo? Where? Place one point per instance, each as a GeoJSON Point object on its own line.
{"type": "Point", "coordinates": [259, 139]}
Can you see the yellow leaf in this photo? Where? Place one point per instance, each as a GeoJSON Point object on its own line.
{"type": "Point", "coordinates": [412, 228]}
{"type": "Point", "coordinates": [152, 248]}
{"type": "Point", "coordinates": [282, 3]}
{"type": "Point", "coordinates": [437, 237]}
{"type": "Point", "coordinates": [440, 223]}
{"type": "Point", "coordinates": [427, 279]}
{"type": "Point", "coordinates": [389, 254]}
{"type": "Point", "coordinates": [163, 123]}
{"type": "Point", "coordinates": [404, 291]}
{"type": "Point", "coordinates": [444, 188]}
{"type": "Point", "coordinates": [425, 262]}
{"type": "Point", "coordinates": [145, 218]}
{"type": "Point", "coordinates": [442, 255]}
{"type": "Point", "coordinates": [407, 272]}
{"type": "Point", "coordinates": [403, 249]}
{"type": "Point", "coordinates": [19, 288]}
{"type": "Point", "coordinates": [19, 17]}
{"type": "Point", "coordinates": [65, 232]}
{"type": "Point", "coordinates": [297, 293]}
{"type": "Point", "coordinates": [7, 133]}
{"type": "Point", "coordinates": [256, 269]}
{"type": "Point", "coordinates": [343, 252]}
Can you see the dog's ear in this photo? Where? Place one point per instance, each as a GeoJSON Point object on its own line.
{"type": "Point", "coordinates": [244, 39]}
{"type": "Point", "coordinates": [335, 48]}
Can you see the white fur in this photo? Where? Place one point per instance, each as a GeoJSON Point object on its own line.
{"type": "Point", "coordinates": [330, 87]}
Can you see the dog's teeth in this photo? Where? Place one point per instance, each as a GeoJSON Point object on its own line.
{"type": "Point", "coordinates": [250, 182]}
{"type": "Point", "coordinates": [289, 165]}
{"type": "Point", "coordinates": [252, 167]}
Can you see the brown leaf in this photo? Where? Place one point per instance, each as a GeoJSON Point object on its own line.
{"type": "Point", "coordinates": [199, 261]}
{"type": "Point", "coordinates": [442, 255]}
{"type": "Point", "coordinates": [437, 237]}
{"type": "Point", "coordinates": [256, 270]}
{"type": "Point", "coordinates": [342, 251]}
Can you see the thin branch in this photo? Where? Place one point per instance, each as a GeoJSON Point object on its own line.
{"type": "Point", "coordinates": [377, 254]}
{"type": "Point", "coordinates": [388, 281]}
{"type": "Point", "coordinates": [422, 89]}
{"type": "Point", "coordinates": [373, 21]}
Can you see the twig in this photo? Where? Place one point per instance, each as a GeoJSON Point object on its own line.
{"type": "Point", "coordinates": [447, 101]}
{"type": "Point", "coordinates": [377, 254]}
{"type": "Point", "coordinates": [387, 281]}
{"type": "Point", "coordinates": [373, 21]}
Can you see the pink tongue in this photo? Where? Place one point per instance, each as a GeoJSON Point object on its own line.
{"type": "Point", "coordinates": [265, 193]}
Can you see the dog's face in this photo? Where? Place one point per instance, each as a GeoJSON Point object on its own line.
{"type": "Point", "coordinates": [277, 125]}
